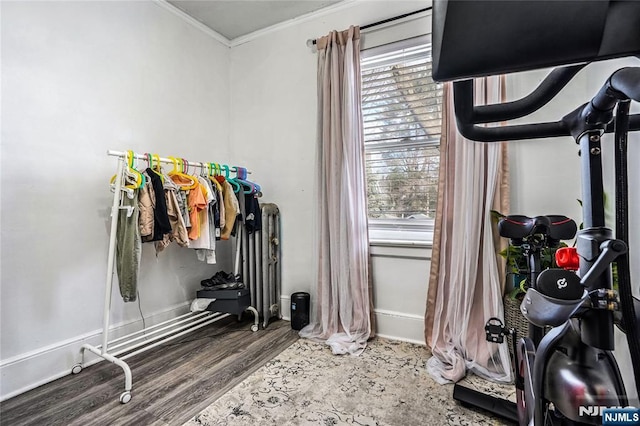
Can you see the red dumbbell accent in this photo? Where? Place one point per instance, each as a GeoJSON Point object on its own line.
{"type": "Point", "coordinates": [567, 258]}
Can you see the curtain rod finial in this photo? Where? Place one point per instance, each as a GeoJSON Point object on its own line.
{"type": "Point", "coordinates": [311, 42]}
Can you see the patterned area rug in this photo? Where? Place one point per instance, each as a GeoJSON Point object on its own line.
{"type": "Point", "coordinates": [307, 384]}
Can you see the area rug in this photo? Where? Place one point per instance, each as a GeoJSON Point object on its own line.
{"type": "Point", "coordinates": [308, 385]}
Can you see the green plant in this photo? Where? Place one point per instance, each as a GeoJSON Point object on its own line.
{"type": "Point", "coordinates": [516, 270]}
{"type": "Point", "coordinates": [517, 267]}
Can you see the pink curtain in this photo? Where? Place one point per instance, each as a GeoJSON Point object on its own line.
{"type": "Point", "coordinates": [465, 284]}
{"type": "Point", "coordinates": [342, 306]}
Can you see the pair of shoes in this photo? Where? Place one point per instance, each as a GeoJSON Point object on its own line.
{"type": "Point", "coordinates": [225, 276]}
{"type": "Point", "coordinates": [230, 286]}
{"type": "Point", "coordinates": [226, 286]}
{"type": "Point", "coordinates": [220, 278]}
{"type": "Point", "coordinates": [209, 282]}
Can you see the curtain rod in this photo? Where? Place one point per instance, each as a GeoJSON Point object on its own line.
{"type": "Point", "coordinates": [384, 21]}
{"type": "Point", "coordinates": [165, 160]}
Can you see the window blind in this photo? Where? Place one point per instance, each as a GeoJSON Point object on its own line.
{"type": "Point", "coordinates": [402, 114]}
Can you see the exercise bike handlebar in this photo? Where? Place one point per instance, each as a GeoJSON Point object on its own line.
{"type": "Point", "coordinates": [624, 84]}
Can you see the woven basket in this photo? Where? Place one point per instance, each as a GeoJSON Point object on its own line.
{"type": "Point", "coordinates": [513, 318]}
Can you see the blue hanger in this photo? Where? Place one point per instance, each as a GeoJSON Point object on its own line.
{"type": "Point", "coordinates": [241, 173]}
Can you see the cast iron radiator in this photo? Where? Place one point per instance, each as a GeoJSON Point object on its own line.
{"type": "Point", "coordinates": [261, 268]}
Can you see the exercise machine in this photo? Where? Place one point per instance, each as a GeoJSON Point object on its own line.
{"type": "Point", "coordinates": [572, 366]}
{"type": "Point", "coordinates": [531, 235]}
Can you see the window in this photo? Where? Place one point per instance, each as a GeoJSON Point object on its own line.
{"type": "Point", "coordinates": [402, 113]}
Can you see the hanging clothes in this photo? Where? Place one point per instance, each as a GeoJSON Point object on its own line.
{"type": "Point", "coordinates": [197, 203]}
{"type": "Point", "coordinates": [181, 197]}
{"type": "Point", "coordinates": [161, 224]}
{"type": "Point", "coordinates": [179, 232]}
{"type": "Point", "coordinates": [145, 204]}
{"type": "Point", "coordinates": [231, 208]}
{"type": "Point", "coordinates": [192, 211]}
{"type": "Point", "coordinates": [252, 213]}
{"type": "Point", "coordinates": [218, 208]}
{"type": "Point", "coordinates": [221, 207]}
{"type": "Point", "coordinates": [205, 243]}
{"type": "Point", "coordinates": [214, 212]}
{"type": "Point", "coordinates": [185, 200]}
{"type": "Point", "coordinates": [128, 247]}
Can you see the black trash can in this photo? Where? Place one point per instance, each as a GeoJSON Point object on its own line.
{"type": "Point", "coordinates": [299, 310]}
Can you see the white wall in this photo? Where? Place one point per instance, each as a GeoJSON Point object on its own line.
{"type": "Point", "coordinates": [545, 174]}
{"type": "Point", "coordinates": [273, 128]}
{"type": "Point", "coordinates": [79, 78]}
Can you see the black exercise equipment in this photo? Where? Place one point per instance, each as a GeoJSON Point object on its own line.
{"type": "Point", "coordinates": [479, 38]}
{"type": "Point", "coordinates": [572, 365]}
{"type": "Point", "coordinates": [532, 236]}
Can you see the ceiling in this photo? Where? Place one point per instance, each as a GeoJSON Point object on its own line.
{"type": "Point", "coordinates": [235, 18]}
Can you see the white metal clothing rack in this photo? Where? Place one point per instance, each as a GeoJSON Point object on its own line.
{"type": "Point", "coordinates": [149, 337]}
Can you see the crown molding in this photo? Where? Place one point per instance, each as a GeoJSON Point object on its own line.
{"type": "Point", "coordinates": [294, 21]}
{"type": "Point", "coordinates": [194, 22]}
{"type": "Point", "coordinates": [345, 4]}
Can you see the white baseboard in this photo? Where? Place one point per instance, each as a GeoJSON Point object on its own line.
{"type": "Point", "coordinates": [400, 326]}
{"type": "Point", "coordinates": [29, 370]}
{"type": "Point", "coordinates": [391, 325]}
{"type": "Point", "coordinates": [285, 307]}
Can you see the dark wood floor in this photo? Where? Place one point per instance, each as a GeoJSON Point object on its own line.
{"type": "Point", "coordinates": [171, 383]}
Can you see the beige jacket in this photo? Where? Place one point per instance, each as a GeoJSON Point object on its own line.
{"type": "Point", "coordinates": [231, 209]}
{"type": "Point", "coordinates": [178, 228]}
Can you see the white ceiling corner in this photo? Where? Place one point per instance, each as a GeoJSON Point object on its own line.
{"type": "Point", "coordinates": [237, 18]}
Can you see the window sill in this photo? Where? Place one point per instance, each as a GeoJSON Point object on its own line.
{"type": "Point", "coordinates": [401, 237]}
{"type": "Point", "coordinates": [400, 243]}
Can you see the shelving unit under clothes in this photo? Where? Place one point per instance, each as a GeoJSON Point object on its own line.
{"type": "Point", "coordinates": [122, 348]}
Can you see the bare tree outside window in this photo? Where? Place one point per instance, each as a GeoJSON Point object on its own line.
{"type": "Point", "coordinates": [402, 115]}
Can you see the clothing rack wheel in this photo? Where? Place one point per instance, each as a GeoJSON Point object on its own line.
{"type": "Point", "coordinates": [125, 397]}
{"type": "Point", "coordinates": [256, 318]}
